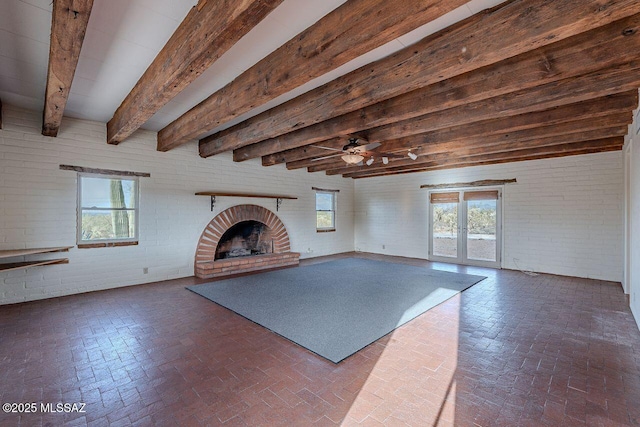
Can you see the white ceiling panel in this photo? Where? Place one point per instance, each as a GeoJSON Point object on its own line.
{"type": "Point", "coordinates": [22, 87]}
{"type": "Point", "coordinates": [25, 28]}
{"type": "Point", "coordinates": [20, 48]}
{"type": "Point", "coordinates": [23, 71]}
{"type": "Point", "coordinates": [31, 20]}
{"type": "Point", "coordinates": [479, 5]}
{"type": "Point", "coordinates": [135, 22]}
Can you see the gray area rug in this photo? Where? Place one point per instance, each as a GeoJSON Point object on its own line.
{"type": "Point", "coordinates": [336, 308]}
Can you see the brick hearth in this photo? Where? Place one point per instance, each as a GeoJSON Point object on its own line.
{"type": "Point", "coordinates": [227, 267]}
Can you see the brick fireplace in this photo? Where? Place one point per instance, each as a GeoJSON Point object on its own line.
{"type": "Point", "coordinates": [241, 239]}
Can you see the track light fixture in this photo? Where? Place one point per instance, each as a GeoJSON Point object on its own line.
{"type": "Point", "coordinates": [412, 156]}
{"type": "Point", "coordinates": [370, 161]}
{"type": "Point", "coordinates": [385, 160]}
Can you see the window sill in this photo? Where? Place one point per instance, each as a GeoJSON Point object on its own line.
{"type": "Point", "coordinates": [326, 230]}
{"type": "Point", "coordinates": [105, 245]}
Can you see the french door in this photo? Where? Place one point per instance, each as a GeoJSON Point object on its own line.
{"type": "Point", "coordinates": [465, 227]}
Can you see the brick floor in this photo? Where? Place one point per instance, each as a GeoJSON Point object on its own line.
{"type": "Point", "coordinates": [512, 350]}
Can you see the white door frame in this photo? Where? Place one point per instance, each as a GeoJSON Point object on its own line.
{"type": "Point", "coordinates": [462, 257]}
{"type": "Point", "coordinates": [626, 276]}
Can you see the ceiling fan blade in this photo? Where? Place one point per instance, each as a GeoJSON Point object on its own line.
{"type": "Point", "coordinates": [327, 157]}
{"type": "Point", "coordinates": [370, 147]}
{"type": "Point", "coordinates": [326, 148]}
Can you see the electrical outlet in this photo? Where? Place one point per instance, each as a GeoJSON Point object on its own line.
{"type": "Point", "coordinates": [384, 246]}
{"type": "Point", "coordinates": [145, 270]}
{"type": "Point", "coordinates": [309, 250]}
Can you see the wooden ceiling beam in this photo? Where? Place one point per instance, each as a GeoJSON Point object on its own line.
{"type": "Point", "coordinates": [587, 113]}
{"type": "Point", "coordinates": [208, 31]}
{"type": "Point", "coordinates": [605, 47]}
{"type": "Point", "coordinates": [356, 27]}
{"type": "Point", "coordinates": [446, 151]}
{"type": "Point", "coordinates": [586, 147]}
{"type": "Point", "coordinates": [500, 34]}
{"type": "Point", "coordinates": [69, 20]}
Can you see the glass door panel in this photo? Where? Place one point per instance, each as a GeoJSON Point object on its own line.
{"type": "Point", "coordinates": [481, 230]}
{"type": "Point", "coordinates": [445, 230]}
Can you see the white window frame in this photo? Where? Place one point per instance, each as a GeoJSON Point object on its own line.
{"type": "Point", "coordinates": [333, 209]}
{"type": "Point", "coordinates": [136, 209]}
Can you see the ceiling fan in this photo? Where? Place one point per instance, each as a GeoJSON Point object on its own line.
{"type": "Point", "coordinates": [354, 153]}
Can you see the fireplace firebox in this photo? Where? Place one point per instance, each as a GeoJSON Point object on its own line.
{"type": "Point", "coordinates": [246, 238]}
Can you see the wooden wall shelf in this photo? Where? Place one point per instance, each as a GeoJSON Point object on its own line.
{"type": "Point", "coordinates": [10, 253]}
{"type": "Point", "coordinates": [27, 264]}
{"type": "Point", "coordinates": [214, 194]}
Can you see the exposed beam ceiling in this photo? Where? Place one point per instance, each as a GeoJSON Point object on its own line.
{"type": "Point", "coordinates": [351, 30]}
{"type": "Point", "coordinates": [517, 27]}
{"type": "Point", "coordinates": [606, 47]}
{"type": "Point", "coordinates": [525, 102]}
{"type": "Point", "coordinates": [592, 109]}
{"type": "Point", "coordinates": [455, 84]}
{"type": "Point", "coordinates": [207, 32]}
{"type": "Point", "coordinates": [68, 27]}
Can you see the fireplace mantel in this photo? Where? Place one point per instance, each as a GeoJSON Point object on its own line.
{"type": "Point", "coordinates": [214, 194]}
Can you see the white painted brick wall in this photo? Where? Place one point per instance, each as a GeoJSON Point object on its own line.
{"type": "Point", "coordinates": [633, 143]}
{"type": "Point", "coordinates": [564, 216]}
{"type": "Point", "coordinates": [38, 205]}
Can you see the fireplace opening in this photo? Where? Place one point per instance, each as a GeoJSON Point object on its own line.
{"type": "Point", "coordinates": [246, 238]}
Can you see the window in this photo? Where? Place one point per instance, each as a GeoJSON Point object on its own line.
{"type": "Point", "coordinates": [107, 210]}
{"type": "Point", "coordinates": [325, 211]}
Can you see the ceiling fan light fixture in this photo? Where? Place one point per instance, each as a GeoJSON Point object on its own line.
{"type": "Point", "coordinates": [412, 156]}
{"type": "Point", "coordinates": [385, 160]}
{"type": "Point", "coordinates": [370, 161]}
{"type": "Point", "coordinates": [352, 158]}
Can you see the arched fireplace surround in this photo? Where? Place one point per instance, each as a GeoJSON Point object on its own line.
{"type": "Point", "coordinates": [274, 249]}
